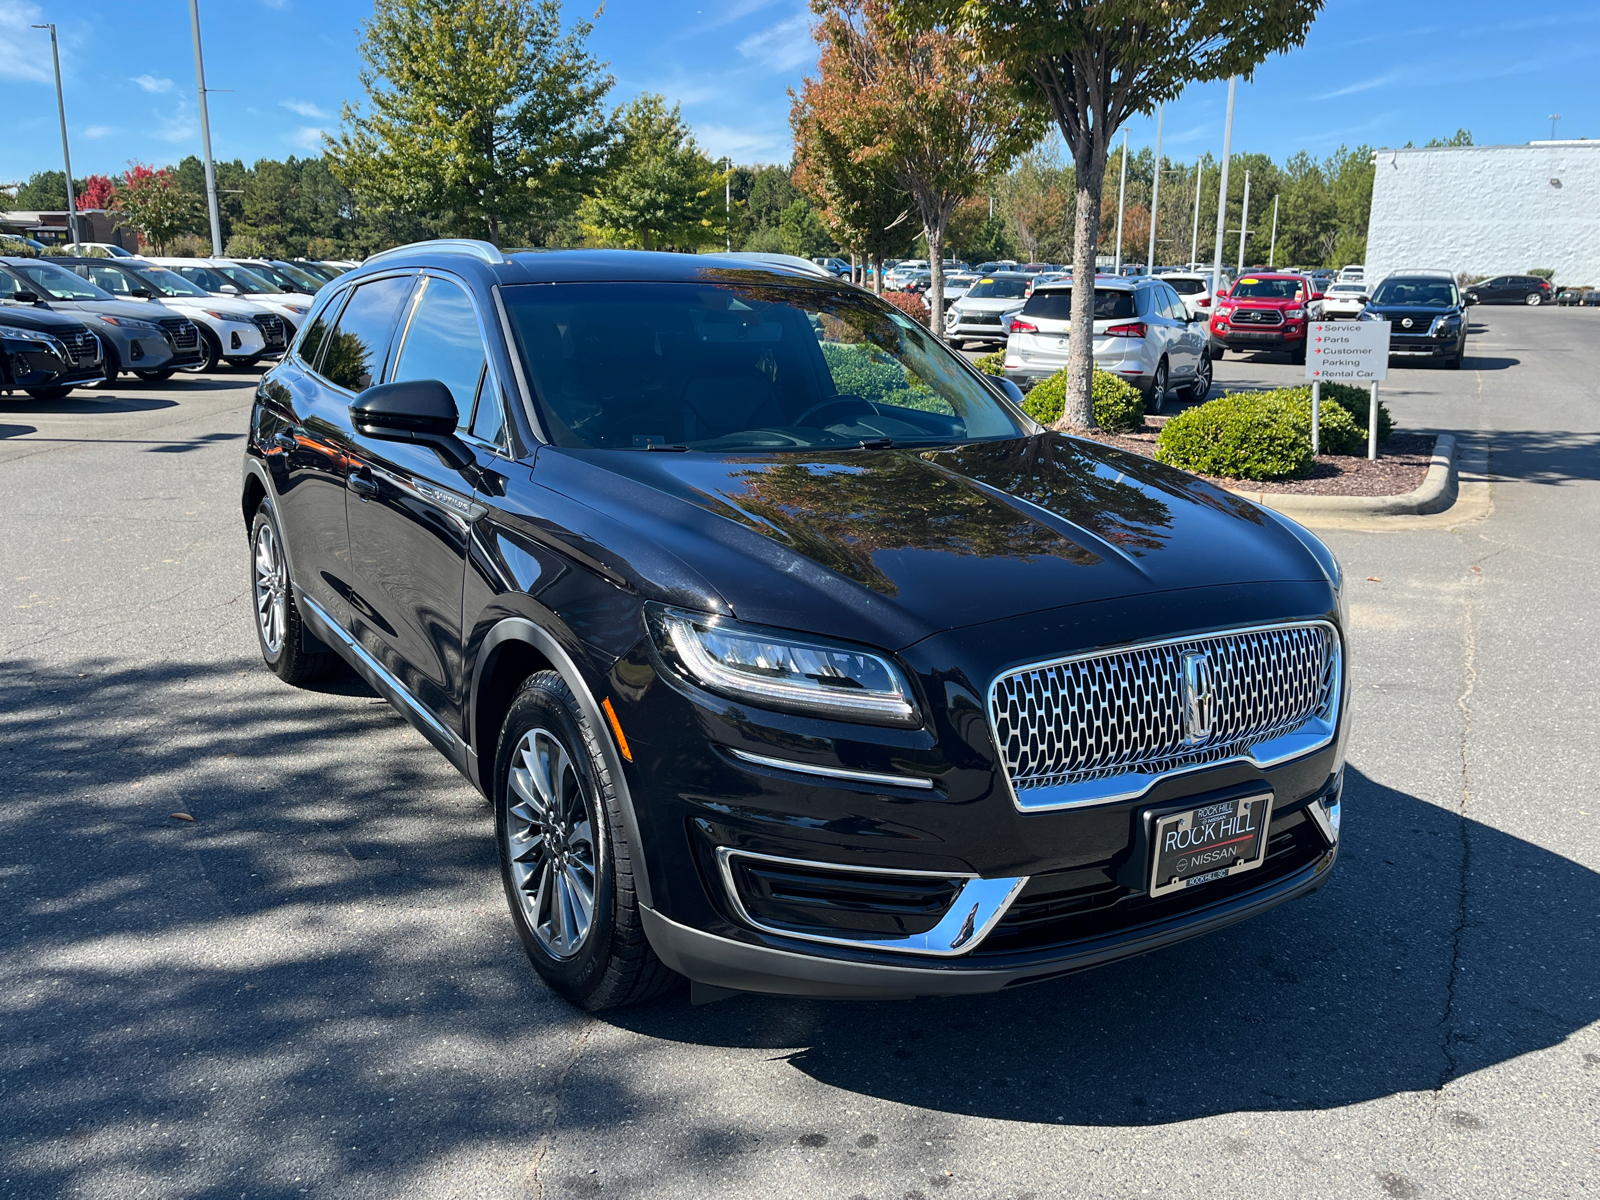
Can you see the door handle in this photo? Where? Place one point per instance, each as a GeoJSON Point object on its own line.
{"type": "Point", "coordinates": [285, 440]}
{"type": "Point", "coordinates": [361, 483]}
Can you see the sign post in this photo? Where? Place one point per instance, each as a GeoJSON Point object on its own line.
{"type": "Point", "coordinates": [1347, 352]}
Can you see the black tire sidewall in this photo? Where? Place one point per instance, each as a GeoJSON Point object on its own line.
{"type": "Point", "coordinates": [546, 700]}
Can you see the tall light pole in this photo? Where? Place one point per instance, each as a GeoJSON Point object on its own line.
{"type": "Point", "coordinates": [66, 154]}
{"type": "Point", "coordinates": [1222, 191]}
{"type": "Point", "coordinates": [1194, 237]}
{"type": "Point", "coordinates": [727, 200]}
{"type": "Point", "coordinates": [205, 131]}
{"type": "Point", "coordinates": [1244, 220]}
{"type": "Point", "coordinates": [1155, 195]}
{"type": "Point", "coordinates": [1122, 191]}
{"type": "Point", "coordinates": [1554, 117]}
{"type": "Point", "coordinates": [1272, 251]}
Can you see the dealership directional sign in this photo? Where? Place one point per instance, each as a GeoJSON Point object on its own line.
{"type": "Point", "coordinates": [1347, 351]}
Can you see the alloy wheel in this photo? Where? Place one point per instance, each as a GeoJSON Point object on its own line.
{"type": "Point", "coordinates": [271, 588]}
{"type": "Point", "coordinates": [1534, 300]}
{"type": "Point", "coordinates": [1201, 387]}
{"type": "Point", "coordinates": [1158, 387]}
{"type": "Point", "coordinates": [550, 843]}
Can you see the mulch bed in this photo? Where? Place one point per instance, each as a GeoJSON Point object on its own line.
{"type": "Point", "coordinates": [1402, 463]}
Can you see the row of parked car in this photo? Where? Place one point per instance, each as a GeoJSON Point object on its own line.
{"type": "Point", "coordinates": [70, 321]}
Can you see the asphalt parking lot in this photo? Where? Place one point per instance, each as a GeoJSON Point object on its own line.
{"type": "Point", "coordinates": [312, 989]}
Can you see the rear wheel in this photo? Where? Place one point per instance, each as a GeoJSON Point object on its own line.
{"type": "Point", "coordinates": [1533, 299]}
{"type": "Point", "coordinates": [565, 858]}
{"type": "Point", "coordinates": [50, 393]}
{"type": "Point", "coordinates": [278, 624]}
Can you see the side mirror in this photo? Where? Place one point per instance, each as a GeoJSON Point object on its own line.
{"type": "Point", "coordinates": [229, 290]}
{"type": "Point", "coordinates": [141, 293]}
{"type": "Point", "coordinates": [1006, 388]}
{"type": "Point", "coordinates": [25, 297]}
{"type": "Point", "coordinates": [1471, 299]}
{"type": "Point", "coordinates": [1363, 299]}
{"type": "Point", "coordinates": [416, 410]}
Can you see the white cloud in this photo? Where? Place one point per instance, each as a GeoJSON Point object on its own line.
{"type": "Point", "coordinates": [23, 51]}
{"type": "Point", "coordinates": [181, 126]}
{"type": "Point", "coordinates": [304, 107]}
{"type": "Point", "coordinates": [736, 11]}
{"type": "Point", "coordinates": [751, 144]}
{"type": "Point", "coordinates": [308, 137]}
{"type": "Point", "coordinates": [97, 131]}
{"type": "Point", "coordinates": [151, 84]}
{"type": "Point", "coordinates": [1365, 85]}
{"type": "Point", "coordinates": [783, 46]}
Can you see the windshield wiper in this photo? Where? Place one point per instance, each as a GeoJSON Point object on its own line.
{"type": "Point", "coordinates": [877, 444]}
{"type": "Point", "coordinates": [669, 449]}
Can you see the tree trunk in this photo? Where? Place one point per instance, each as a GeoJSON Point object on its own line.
{"type": "Point", "coordinates": [494, 229]}
{"type": "Point", "coordinates": [934, 233]}
{"type": "Point", "coordinates": [877, 274]}
{"type": "Point", "coordinates": [1078, 410]}
{"type": "Point", "coordinates": [647, 239]}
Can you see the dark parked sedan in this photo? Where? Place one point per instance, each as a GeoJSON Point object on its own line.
{"type": "Point", "coordinates": [46, 354]}
{"type": "Point", "coordinates": [793, 657]}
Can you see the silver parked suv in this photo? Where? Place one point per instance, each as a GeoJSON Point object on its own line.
{"type": "Point", "coordinates": [981, 314]}
{"type": "Point", "coordinates": [1142, 333]}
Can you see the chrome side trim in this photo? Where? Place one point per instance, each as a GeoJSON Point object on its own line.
{"type": "Point", "coordinates": [977, 908]}
{"type": "Point", "coordinates": [1315, 734]}
{"type": "Point", "coordinates": [783, 764]}
{"type": "Point", "coordinates": [484, 251]}
{"type": "Point", "coordinates": [329, 631]}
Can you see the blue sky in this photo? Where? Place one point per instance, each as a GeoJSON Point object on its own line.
{"type": "Point", "coordinates": [1378, 71]}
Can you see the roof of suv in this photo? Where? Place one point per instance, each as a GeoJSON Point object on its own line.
{"type": "Point", "coordinates": [593, 266]}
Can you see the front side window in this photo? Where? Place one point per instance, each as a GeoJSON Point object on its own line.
{"type": "Point", "coordinates": [441, 342]}
{"type": "Point", "coordinates": [1415, 293]}
{"type": "Point", "coordinates": [741, 367]}
{"type": "Point", "coordinates": [108, 278]}
{"type": "Point", "coordinates": [353, 357]}
{"type": "Point", "coordinates": [165, 282]}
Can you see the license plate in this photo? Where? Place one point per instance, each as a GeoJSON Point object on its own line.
{"type": "Point", "coordinates": [1207, 843]}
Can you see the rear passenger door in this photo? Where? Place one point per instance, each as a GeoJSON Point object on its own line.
{"type": "Point", "coordinates": [1187, 338]}
{"type": "Point", "coordinates": [411, 515]}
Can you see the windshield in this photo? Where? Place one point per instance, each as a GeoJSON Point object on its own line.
{"type": "Point", "coordinates": [999, 287]}
{"type": "Point", "coordinates": [278, 277]}
{"type": "Point", "coordinates": [168, 283]}
{"type": "Point", "coordinates": [56, 283]}
{"type": "Point", "coordinates": [247, 281]}
{"type": "Point", "coordinates": [1415, 293]}
{"type": "Point", "coordinates": [741, 367]}
{"type": "Point", "coordinates": [1250, 288]}
{"type": "Point", "coordinates": [1056, 305]}
{"type": "Point", "coordinates": [1345, 289]}
{"type": "Point", "coordinates": [1185, 287]}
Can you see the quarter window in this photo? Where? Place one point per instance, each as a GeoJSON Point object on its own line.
{"type": "Point", "coordinates": [356, 348]}
{"type": "Point", "coordinates": [442, 342]}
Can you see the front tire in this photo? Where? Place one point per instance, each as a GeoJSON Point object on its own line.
{"type": "Point", "coordinates": [1156, 398]}
{"type": "Point", "coordinates": [211, 348]}
{"type": "Point", "coordinates": [565, 858]}
{"type": "Point", "coordinates": [156, 376]}
{"type": "Point", "coordinates": [1199, 387]}
{"type": "Point", "coordinates": [279, 628]}
{"type": "Point", "coordinates": [50, 393]}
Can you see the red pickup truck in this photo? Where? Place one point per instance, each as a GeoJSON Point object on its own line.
{"type": "Point", "coordinates": [1266, 311]}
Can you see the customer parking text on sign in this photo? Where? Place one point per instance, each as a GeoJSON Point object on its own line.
{"type": "Point", "coordinates": [1347, 351]}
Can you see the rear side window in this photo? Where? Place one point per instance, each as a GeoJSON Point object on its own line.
{"type": "Point", "coordinates": [1187, 287]}
{"type": "Point", "coordinates": [310, 344]}
{"type": "Point", "coordinates": [441, 341]}
{"type": "Point", "coordinates": [1056, 305]}
{"type": "Point", "coordinates": [353, 358]}
{"type": "Point", "coordinates": [113, 280]}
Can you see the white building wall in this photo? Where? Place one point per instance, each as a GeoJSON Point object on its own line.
{"type": "Point", "coordinates": [1488, 210]}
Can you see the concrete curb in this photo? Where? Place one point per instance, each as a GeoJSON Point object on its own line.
{"type": "Point", "coordinates": [1437, 493]}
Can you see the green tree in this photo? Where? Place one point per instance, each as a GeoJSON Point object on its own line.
{"type": "Point", "coordinates": [941, 120]}
{"type": "Point", "coordinates": [45, 191]}
{"type": "Point", "coordinates": [771, 191]}
{"type": "Point", "coordinates": [482, 112]}
{"type": "Point", "coordinates": [1092, 64]}
{"type": "Point", "coordinates": [802, 231]}
{"type": "Point", "coordinates": [662, 190]}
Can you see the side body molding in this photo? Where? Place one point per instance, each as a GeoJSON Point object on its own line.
{"type": "Point", "coordinates": [520, 629]}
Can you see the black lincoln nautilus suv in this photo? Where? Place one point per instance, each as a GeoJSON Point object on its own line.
{"type": "Point", "coordinates": [793, 657]}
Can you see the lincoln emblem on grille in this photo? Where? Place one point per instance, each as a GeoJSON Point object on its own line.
{"type": "Point", "coordinates": [1199, 698]}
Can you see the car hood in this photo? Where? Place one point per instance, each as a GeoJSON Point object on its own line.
{"type": "Point", "coordinates": [134, 310]}
{"type": "Point", "coordinates": [891, 546]}
{"type": "Point", "coordinates": [29, 317]}
{"type": "Point", "coordinates": [1426, 311]}
{"type": "Point", "coordinates": [990, 304]}
{"type": "Point", "coordinates": [193, 304]}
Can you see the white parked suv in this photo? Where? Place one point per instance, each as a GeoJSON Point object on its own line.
{"type": "Point", "coordinates": [231, 330]}
{"type": "Point", "coordinates": [1142, 333]}
{"type": "Point", "coordinates": [1344, 301]}
{"type": "Point", "coordinates": [1193, 288]}
{"type": "Point", "coordinates": [221, 277]}
{"type": "Point", "coordinates": [981, 315]}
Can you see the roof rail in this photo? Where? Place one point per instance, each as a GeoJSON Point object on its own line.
{"type": "Point", "coordinates": [486, 251]}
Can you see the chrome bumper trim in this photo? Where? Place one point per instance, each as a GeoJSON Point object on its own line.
{"type": "Point", "coordinates": [977, 908]}
{"type": "Point", "coordinates": [784, 764]}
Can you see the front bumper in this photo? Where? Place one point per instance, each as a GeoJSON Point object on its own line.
{"type": "Point", "coordinates": [1035, 893]}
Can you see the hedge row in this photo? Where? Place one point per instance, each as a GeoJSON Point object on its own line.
{"type": "Point", "coordinates": [1266, 435]}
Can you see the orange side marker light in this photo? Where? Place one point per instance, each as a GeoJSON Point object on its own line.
{"type": "Point", "coordinates": [616, 728]}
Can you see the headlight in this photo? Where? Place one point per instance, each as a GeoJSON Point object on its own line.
{"type": "Point", "coordinates": [1224, 310]}
{"type": "Point", "coordinates": [12, 334]}
{"type": "Point", "coordinates": [144, 328]}
{"type": "Point", "coordinates": [299, 310]}
{"type": "Point", "coordinates": [1295, 314]}
{"type": "Point", "coordinates": [775, 669]}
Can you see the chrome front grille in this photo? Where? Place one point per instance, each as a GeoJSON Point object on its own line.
{"type": "Point", "coordinates": [1257, 316]}
{"type": "Point", "coordinates": [1105, 726]}
{"type": "Point", "coordinates": [84, 348]}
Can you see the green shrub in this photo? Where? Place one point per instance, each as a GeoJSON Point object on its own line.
{"type": "Point", "coordinates": [862, 370]}
{"type": "Point", "coordinates": [1248, 435]}
{"type": "Point", "coordinates": [1118, 405]}
{"type": "Point", "coordinates": [1353, 400]}
{"type": "Point", "coordinates": [992, 364]}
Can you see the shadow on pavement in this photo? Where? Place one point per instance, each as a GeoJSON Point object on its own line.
{"type": "Point", "coordinates": [11, 431]}
{"type": "Point", "coordinates": [1544, 456]}
{"type": "Point", "coordinates": [1334, 1000]}
{"type": "Point", "coordinates": [82, 403]}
